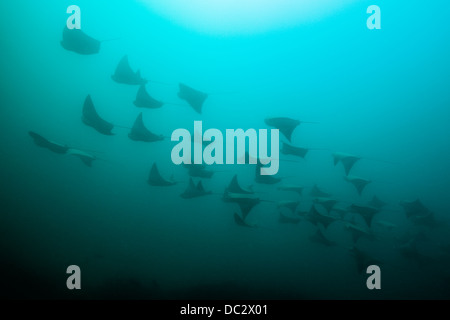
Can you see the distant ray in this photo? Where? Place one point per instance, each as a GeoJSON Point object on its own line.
{"type": "Point", "coordinates": [317, 193]}
{"type": "Point", "coordinates": [295, 151]}
{"type": "Point", "coordinates": [291, 205]}
{"type": "Point", "coordinates": [315, 217]}
{"type": "Point", "coordinates": [327, 203]}
{"type": "Point", "coordinates": [366, 212]}
{"type": "Point", "coordinates": [283, 218]}
{"type": "Point", "coordinates": [414, 208]}
{"type": "Point", "coordinates": [346, 159]}
{"type": "Point", "coordinates": [144, 100]}
{"type": "Point", "coordinates": [357, 182]}
{"type": "Point", "coordinates": [320, 238]}
{"type": "Point", "coordinates": [50, 145]}
{"type": "Point", "coordinates": [297, 189]}
{"type": "Point", "coordinates": [285, 125]}
{"type": "Point", "coordinates": [194, 191]}
{"type": "Point", "coordinates": [193, 97]}
{"type": "Point", "coordinates": [124, 74]}
{"type": "Point", "coordinates": [140, 133]}
{"type": "Point", "coordinates": [246, 202]}
{"type": "Point", "coordinates": [234, 187]}
{"type": "Point", "coordinates": [84, 156]}
{"type": "Point", "coordinates": [92, 119]}
{"type": "Point", "coordinates": [155, 178]}
{"type": "Point", "coordinates": [376, 203]}
{"type": "Point", "coordinates": [241, 222]}
{"type": "Point", "coordinates": [358, 232]}
{"type": "Point", "coordinates": [77, 41]}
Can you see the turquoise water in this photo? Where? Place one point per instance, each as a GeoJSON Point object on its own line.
{"type": "Point", "coordinates": [379, 94]}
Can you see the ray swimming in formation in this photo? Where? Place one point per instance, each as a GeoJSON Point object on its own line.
{"type": "Point", "coordinates": [357, 182]}
{"type": "Point", "coordinates": [234, 187]}
{"type": "Point", "coordinates": [193, 97]}
{"type": "Point", "coordinates": [246, 202]}
{"type": "Point", "coordinates": [199, 171]}
{"type": "Point", "coordinates": [77, 41]}
{"type": "Point", "coordinates": [317, 193]}
{"type": "Point", "coordinates": [291, 205]}
{"type": "Point", "coordinates": [124, 74]}
{"type": "Point", "coordinates": [50, 145]}
{"type": "Point", "coordinates": [140, 133]}
{"type": "Point", "coordinates": [294, 188]}
{"type": "Point", "coordinates": [194, 191]}
{"type": "Point", "coordinates": [91, 118]}
{"type": "Point", "coordinates": [347, 160]}
{"type": "Point", "coordinates": [265, 179]}
{"type": "Point", "coordinates": [364, 211]}
{"type": "Point", "coordinates": [155, 178]}
{"type": "Point", "coordinates": [376, 203]}
{"type": "Point", "coordinates": [285, 125]}
{"type": "Point", "coordinates": [241, 222]}
{"type": "Point", "coordinates": [144, 100]}
{"type": "Point", "coordinates": [295, 151]}
{"type": "Point", "coordinates": [84, 156]}
{"type": "Point", "coordinates": [327, 203]}
{"type": "Point", "coordinates": [315, 217]}
{"type": "Point", "coordinates": [414, 208]}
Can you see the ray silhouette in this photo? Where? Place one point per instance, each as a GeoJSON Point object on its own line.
{"type": "Point", "coordinates": [140, 133]}
{"type": "Point", "coordinates": [125, 75]}
{"type": "Point", "coordinates": [77, 41]}
{"type": "Point", "coordinates": [155, 178]}
{"type": "Point", "coordinates": [91, 118]}
{"type": "Point", "coordinates": [193, 97]}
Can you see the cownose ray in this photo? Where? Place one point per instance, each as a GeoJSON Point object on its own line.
{"type": "Point", "coordinates": [367, 212]}
{"type": "Point", "coordinates": [294, 188]}
{"type": "Point", "coordinates": [235, 187]}
{"type": "Point", "coordinates": [125, 75]}
{"type": "Point", "coordinates": [192, 96]}
{"type": "Point", "coordinates": [140, 133]}
{"type": "Point", "coordinates": [347, 160]}
{"type": "Point", "coordinates": [50, 145]}
{"type": "Point", "coordinates": [376, 202]}
{"type": "Point", "coordinates": [363, 259]}
{"type": "Point", "coordinates": [317, 193]}
{"type": "Point", "coordinates": [92, 119]}
{"type": "Point", "coordinates": [155, 178]}
{"type": "Point", "coordinates": [410, 251]}
{"type": "Point", "coordinates": [320, 238]}
{"type": "Point", "coordinates": [77, 41]}
{"type": "Point", "coordinates": [144, 100]}
{"type": "Point", "coordinates": [358, 182]}
{"type": "Point", "coordinates": [194, 191]}
{"type": "Point", "coordinates": [327, 203]}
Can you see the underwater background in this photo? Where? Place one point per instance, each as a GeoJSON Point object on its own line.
{"type": "Point", "coordinates": [382, 95]}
